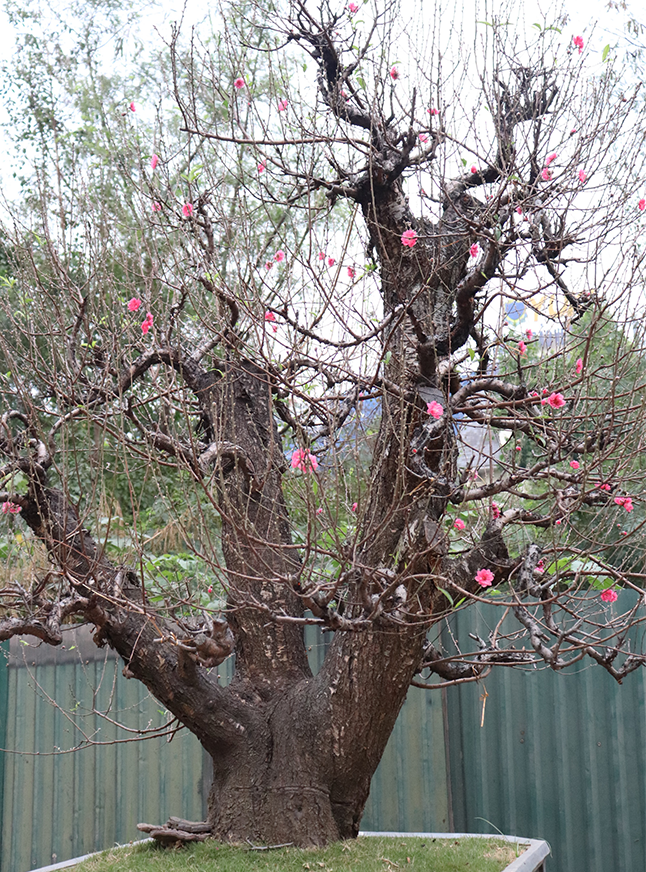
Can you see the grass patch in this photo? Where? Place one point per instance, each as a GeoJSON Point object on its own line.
{"type": "Point", "coordinates": [371, 854]}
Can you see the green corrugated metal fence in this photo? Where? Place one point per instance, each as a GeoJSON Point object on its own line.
{"type": "Point", "coordinates": [60, 805]}
{"type": "Point", "coordinates": [4, 714]}
{"type": "Point", "coordinates": [559, 756]}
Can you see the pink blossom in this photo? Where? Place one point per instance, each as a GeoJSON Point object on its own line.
{"type": "Point", "coordinates": [132, 107]}
{"type": "Point", "coordinates": [355, 506]}
{"type": "Point", "coordinates": [435, 410]}
{"type": "Point", "coordinates": [433, 111]}
{"type": "Point", "coordinates": [282, 105]}
{"type": "Point", "coordinates": [394, 74]}
{"type": "Point", "coordinates": [518, 448]}
{"type": "Point", "coordinates": [304, 461]}
{"type": "Point", "coordinates": [352, 8]}
{"type": "Point", "coordinates": [147, 323]}
{"type": "Point", "coordinates": [331, 261]}
{"type": "Point", "coordinates": [578, 43]}
{"type": "Point", "coordinates": [319, 511]}
{"type": "Point", "coordinates": [269, 316]}
{"type": "Point", "coordinates": [609, 595]}
{"type": "Point", "coordinates": [574, 464]}
{"type": "Point", "coordinates": [578, 366]}
{"type": "Point", "coordinates": [459, 524]}
{"type": "Point", "coordinates": [279, 256]}
{"type": "Point", "coordinates": [550, 158]}
{"type": "Point", "coordinates": [187, 210]}
{"type": "Point", "coordinates": [321, 255]}
{"type": "Point", "coordinates": [534, 394]}
{"type": "Point", "coordinates": [559, 522]}
{"type": "Point", "coordinates": [474, 169]}
{"type": "Point", "coordinates": [474, 251]}
{"type": "Point", "coordinates": [540, 566]}
{"type": "Point", "coordinates": [134, 304]}
{"type": "Point", "coordinates": [626, 502]}
{"type": "Point", "coordinates": [12, 508]}
{"type": "Point", "coordinates": [556, 401]}
{"type": "Point", "coordinates": [239, 83]}
{"type": "Point", "coordinates": [210, 590]}
{"type": "Point", "coordinates": [156, 206]}
{"type": "Point", "coordinates": [519, 210]}
{"type": "Point", "coordinates": [495, 510]}
{"type": "Point", "coordinates": [409, 238]}
{"type": "Point", "coordinates": [529, 334]}
{"type": "Point", "coordinates": [269, 264]}
{"type": "Point", "coordinates": [484, 577]}
{"type": "Point", "coordinates": [154, 160]}
{"type": "Point", "coordinates": [573, 131]}
{"type": "Point", "coordinates": [351, 272]}
{"type": "Point", "coordinates": [423, 137]}
{"type": "Point", "coordinates": [604, 487]}
{"type": "Point", "coordinates": [582, 176]}
{"type": "Point", "coordinates": [262, 166]}
{"type": "Point", "coordinates": [641, 205]}
{"type": "Point", "coordinates": [546, 174]}
{"type": "Point", "coordinates": [522, 348]}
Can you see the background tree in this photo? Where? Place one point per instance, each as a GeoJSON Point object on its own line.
{"type": "Point", "coordinates": [246, 339]}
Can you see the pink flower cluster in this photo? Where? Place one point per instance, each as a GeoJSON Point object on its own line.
{"type": "Point", "coordinates": [474, 251]}
{"type": "Point", "coordinates": [435, 410]}
{"type": "Point", "coordinates": [303, 460]}
{"type": "Point", "coordinates": [641, 205]}
{"type": "Point", "coordinates": [459, 524]}
{"type": "Point", "coordinates": [556, 401]}
{"type": "Point", "coordinates": [269, 316]}
{"type": "Point", "coordinates": [154, 160]}
{"type": "Point", "coordinates": [578, 43]}
{"type": "Point", "coordinates": [609, 595]}
{"type": "Point", "coordinates": [409, 238]}
{"type": "Point", "coordinates": [574, 464]}
{"type": "Point", "coordinates": [352, 8]}
{"type": "Point", "coordinates": [495, 510]}
{"type": "Point", "coordinates": [394, 74]}
{"type": "Point", "coordinates": [626, 502]}
{"type": "Point", "coordinates": [147, 323]}
{"type": "Point", "coordinates": [11, 508]}
{"type": "Point", "coordinates": [134, 304]}
{"type": "Point", "coordinates": [282, 105]}
{"type": "Point", "coordinates": [484, 577]}
{"type": "Point", "coordinates": [522, 348]}
{"type": "Point", "coordinates": [187, 210]}
{"type": "Point", "coordinates": [239, 83]}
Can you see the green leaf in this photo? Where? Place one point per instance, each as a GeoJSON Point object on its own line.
{"type": "Point", "coordinates": [535, 24]}
{"type": "Point", "coordinates": [447, 595]}
{"type": "Point", "coordinates": [605, 53]}
{"type": "Point", "coordinates": [472, 353]}
{"type": "Point", "coordinates": [387, 357]}
{"type": "Point", "coordinates": [361, 83]}
{"type": "Point", "coordinates": [464, 161]}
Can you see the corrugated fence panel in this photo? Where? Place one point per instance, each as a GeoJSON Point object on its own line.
{"type": "Point", "coordinates": [409, 790]}
{"type": "Point", "coordinates": [60, 805]}
{"type": "Point", "coordinates": [4, 713]}
{"type": "Point", "coordinates": [560, 756]}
